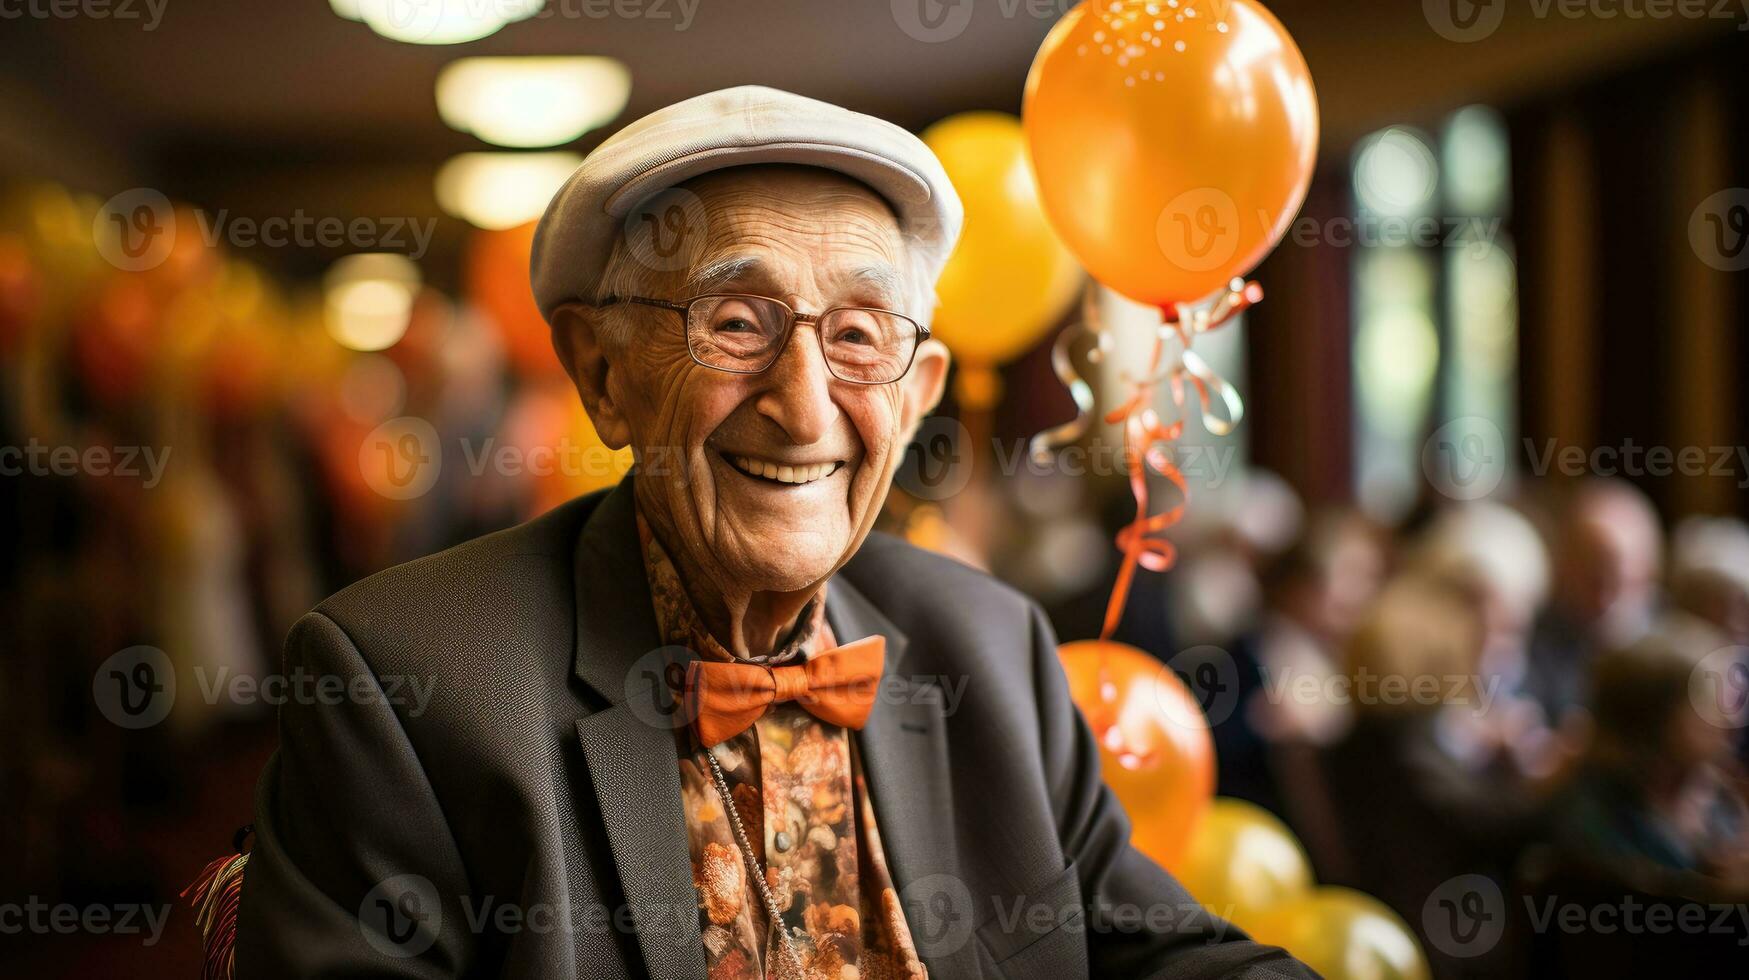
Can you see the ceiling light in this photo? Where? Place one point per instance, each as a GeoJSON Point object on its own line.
{"type": "Point", "coordinates": [532, 102]}
{"type": "Point", "coordinates": [437, 21]}
{"type": "Point", "coordinates": [502, 190]}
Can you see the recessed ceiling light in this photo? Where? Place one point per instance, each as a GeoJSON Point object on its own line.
{"type": "Point", "coordinates": [436, 21]}
{"type": "Point", "coordinates": [532, 102]}
{"type": "Point", "coordinates": [502, 190]}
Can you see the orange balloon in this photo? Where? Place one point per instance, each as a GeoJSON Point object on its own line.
{"type": "Point", "coordinates": [1173, 145]}
{"type": "Point", "coordinates": [1154, 743]}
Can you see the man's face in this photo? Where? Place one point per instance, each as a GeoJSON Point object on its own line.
{"type": "Point", "coordinates": [768, 482]}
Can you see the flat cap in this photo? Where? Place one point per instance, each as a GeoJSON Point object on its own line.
{"type": "Point", "coordinates": [732, 127]}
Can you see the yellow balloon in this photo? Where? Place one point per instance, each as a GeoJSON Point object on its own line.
{"type": "Point", "coordinates": [1009, 278]}
{"type": "Point", "coordinates": [1244, 862]}
{"type": "Point", "coordinates": [1344, 935]}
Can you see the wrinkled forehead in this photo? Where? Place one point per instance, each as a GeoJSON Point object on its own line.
{"type": "Point", "coordinates": [789, 231]}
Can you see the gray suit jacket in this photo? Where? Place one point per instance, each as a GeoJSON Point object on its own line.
{"type": "Point", "coordinates": [522, 816]}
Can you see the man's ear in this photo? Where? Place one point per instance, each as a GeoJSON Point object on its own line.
{"type": "Point", "coordinates": [924, 384]}
{"type": "Point", "coordinates": [577, 339]}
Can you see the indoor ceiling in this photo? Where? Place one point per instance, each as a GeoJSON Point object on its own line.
{"type": "Point", "coordinates": [251, 103]}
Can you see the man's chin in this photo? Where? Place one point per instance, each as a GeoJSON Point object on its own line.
{"type": "Point", "coordinates": [770, 537]}
{"type": "Point", "coordinates": [781, 558]}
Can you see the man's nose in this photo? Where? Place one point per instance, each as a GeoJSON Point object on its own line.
{"type": "Point", "coordinates": [798, 389]}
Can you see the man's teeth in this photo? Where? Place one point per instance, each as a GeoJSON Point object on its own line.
{"type": "Point", "coordinates": [785, 474]}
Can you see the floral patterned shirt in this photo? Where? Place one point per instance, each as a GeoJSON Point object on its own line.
{"type": "Point", "coordinates": [798, 786]}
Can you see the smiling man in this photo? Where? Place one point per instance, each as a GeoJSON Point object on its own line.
{"type": "Point", "coordinates": [696, 726]}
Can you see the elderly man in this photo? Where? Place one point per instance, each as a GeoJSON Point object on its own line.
{"type": "Point", "coordinates": [705, 724]}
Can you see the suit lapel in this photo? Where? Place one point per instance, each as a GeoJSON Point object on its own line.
{"type": "Point", "coordinates": [629, 750]}
{"type": "Point", "coordinates": [904, 746]}
{"type": "Point", "coordinates": [629, 747]}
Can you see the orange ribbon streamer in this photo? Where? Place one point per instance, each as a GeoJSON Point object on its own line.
{"type": "Point", "coordinates": [1148, 441]}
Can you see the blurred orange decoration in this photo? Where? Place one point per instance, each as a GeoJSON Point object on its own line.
{"type": "Point", "coordinates": [191, 261]}
{"type": "Point", "coordinates": [556, 446]}
{"type": "Point", "coordinates": [1173, 143]}
{"type": "Point", "coordinates": [114, 339]}
{"type": "Point", "coordinates": [497, 283]}
{"type": "Point", "coordinates": [1154, 742]}
{"type": "Point", "coordinates": [20, 291]}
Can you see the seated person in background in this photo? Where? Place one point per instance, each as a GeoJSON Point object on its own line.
{"type": "Point", "coordinates": [1315, 595]}
{"type": "Point", "coordinates": [1410, 814]}
{"type": "Point", "coordinates": [1656, 800]}
{"type": "Point", "coordinates": [1709, 580]}
{"type": "Point", "coordinates": [1608, 553]}
{"type": "Point", "coordinates": [1709, 574]}
{"type": "Point", "coordinates": [1494, 556]}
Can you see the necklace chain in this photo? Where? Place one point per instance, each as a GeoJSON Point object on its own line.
{"type": "Point", "coordinates": [784, 940]}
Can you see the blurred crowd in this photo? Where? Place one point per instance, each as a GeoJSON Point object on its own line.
{"type": "Point", "coordinates": [187, 463]}
{"type": "Point", "coordinates": [1549, 693]}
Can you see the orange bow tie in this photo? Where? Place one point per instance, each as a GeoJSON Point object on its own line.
{"type": "Point", "coordinates": [836, 686]}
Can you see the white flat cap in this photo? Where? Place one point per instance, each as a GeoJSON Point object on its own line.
{"type": "Point", "coordinates": [733, 127]}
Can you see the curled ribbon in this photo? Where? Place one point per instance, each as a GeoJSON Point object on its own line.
{"type": "Point", "coordinates": [1148, 441]}
{"type": "Point", "coordinates": [1063, 364]}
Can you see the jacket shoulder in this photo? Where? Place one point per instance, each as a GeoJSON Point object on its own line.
{"type": "Point", "coordinates": [912, 584]}
{"type": "Point", "coordinates": [527, 565]}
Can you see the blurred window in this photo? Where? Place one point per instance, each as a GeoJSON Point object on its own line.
{"type": "Point", "coordinates": [1435, 306]}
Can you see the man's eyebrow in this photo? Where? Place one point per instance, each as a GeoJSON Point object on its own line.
{"type": "Point", "coordinates": [881, 279]}
{"type": "Point", "coordinates": [749, 272]}
{"type": "Point", "coordinates": [715, 275]}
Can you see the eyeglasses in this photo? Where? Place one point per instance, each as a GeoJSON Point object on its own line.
{"type": "Point", "coordinates": [744, 334]}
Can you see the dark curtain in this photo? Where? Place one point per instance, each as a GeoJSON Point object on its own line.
{"type": "Point", "coordinates": [1298, 396]}
{"type": "Point", "coordinates": [1638, 209]}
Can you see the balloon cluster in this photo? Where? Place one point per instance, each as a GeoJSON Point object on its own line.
{"type": "Point", "coordinates": [1235, 858]}
{"type": "Point", "coordinates": [1173, 143]}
